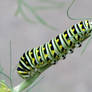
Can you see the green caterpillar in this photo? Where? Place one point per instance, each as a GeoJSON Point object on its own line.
{"type": "Point", "coordinates": [52, 51]}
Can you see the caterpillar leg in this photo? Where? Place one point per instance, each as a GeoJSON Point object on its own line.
{"type": "Point", "coordinates": [32, 72]}
{"type": "Point", "coordinates": [54, 62]}
{"type": "Point", "coordinates": [70, 51]}
{"type": "Point", "coordinates": [64, 57]}
{"type": "Point", "coordinates": [37, 70]}
{"type": "Point", "coordinates": [78, 45]}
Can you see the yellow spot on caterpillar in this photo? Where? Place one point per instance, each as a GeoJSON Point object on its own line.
{"type": "Point", "coordinates": [81, 25]}
{"type": "Point", "coordinates": [83, 29]}
{"type": "Point", "coordinates": [53, 51]}
{"type": "Point", "coordinates": [65, 35]}
{"type": "Point", "coordinates": [39, 57]}
{"type": "Point", "coordinates": [73, 30]}
{"type": "Point", "coordinates": [26, 62]}
{"type": "Point", "coordinates": [50, 45]}
{"type": "Point", "coordinates": [87, 24]}
{"type": "Point", "coordinates": [33, 59]}
{"type": "Point", "coordinates": [37, 51]}
{"type": "Point", "coordinates": [60, 46]}
{"type": "Point", "coordinates": [57, 40]}
{"type": "Point", "coordinates": [33, 62]}
{"type": "Point", "coordinates": [46, 55]}
{"type": "Point", "coordinates": [68, 41]}
{"type": "Point", "coordinates": [76, 36]}
{"type": "Point", "coordinates": [30, 53]}
{"type": "Point", "coordinates": [43, 48]}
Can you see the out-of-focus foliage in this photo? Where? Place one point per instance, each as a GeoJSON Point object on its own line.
{"type": "Point", "coordinates": [70, 17]}
{"type": "Point", "coordinates": [4, 87]}
{"type": "Point", "coordinates": [47, 5]}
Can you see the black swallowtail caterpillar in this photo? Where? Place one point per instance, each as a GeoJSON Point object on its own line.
{"type": "Point", "coordinates": [52, 51]}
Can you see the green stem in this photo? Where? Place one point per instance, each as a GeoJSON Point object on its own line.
{"type": "Point", "coordinates": [26, 18]}
{"type": "Point", "coordinates": [19, 10]}
{"type": "Point", "coordinates": [5, 75]}
{"type": "Point", "coordinates": [28, 82]}
{"type": "Point", "coordinates": [34, 84]}
{"type": "Point", "coordinates": [11, 65]}
{"type": "Point", "coordinates": [85, 47]}
{"type": "Point", "coordinates": [68, 15]}
{"type": "Point", "coordinates": [33, 10]}
{"type": "Point", "coordinates": [19, 7]}
{"type": "Point", "coordinates": [42, 21]}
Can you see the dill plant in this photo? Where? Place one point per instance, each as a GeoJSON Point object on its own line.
{"type": "Point", "coordinates": [26, 83]}
{"type": "Point", "coordinates": [34, 11]}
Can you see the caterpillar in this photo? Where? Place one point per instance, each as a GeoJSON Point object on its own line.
{"type": "Point", "coordinates": [54, 50]}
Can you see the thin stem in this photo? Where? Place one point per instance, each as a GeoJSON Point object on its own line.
{"type": "Point", "coordinates": [5, 75]}
{"type": "Point", "coordinates": [11, 65]}
{"type": "Point", "coordinates": [36, 83]}
{"type": "Point", "coordinates": [26, 18]}
{"type": "Point", "coordinates": [42, 21]}
{"type": "Point", "coordinates": [19, 7]}
{"type": "Point", "coordinates": [68, 15]}
{"type": "Point", "coordinates": [69, 9]}
{"type": "Point", "coordinates": [85, 47]}
{"type": "Point", "coordinates": [2, 83]}
{"type": "Point", "coordinates": [28, 82]}
{"type": "Point", "coordinates": [20, 10]}
{"type": "Point", "coordinates": [17, 11]}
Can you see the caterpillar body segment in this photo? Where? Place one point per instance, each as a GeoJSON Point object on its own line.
{"type": "Point", "coordinates": [52, 51]}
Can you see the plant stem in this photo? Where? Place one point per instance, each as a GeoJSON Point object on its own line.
{"type": "Point", "coordinates": [11, 65]}
{"type": "Point", "coordinates": [41, 20]}
{"type": "Point", "coordinates": [28, 82]}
